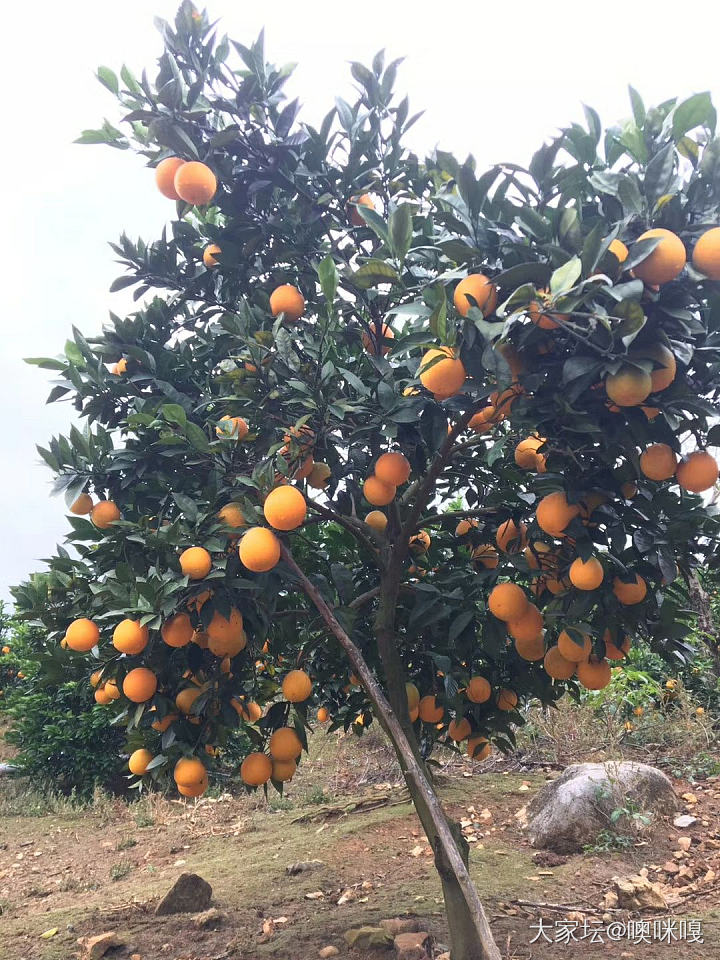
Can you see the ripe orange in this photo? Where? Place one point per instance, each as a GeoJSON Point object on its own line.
{"type": "Point", "coordinates": [111, 690]}
{"type": "Point", "coordinates": [195, 183]}
{"type": "Point", "coordinates": [177, 631]}
{"type": "Point", "coordinates": [658, 462]}
{"type": "Point", "coordinates": [618, 248]}
{"type": "Point", "coordinates": [378, 493]}
{"type": "Point", "coordinates": [586, 575]}
{"type": "Point", "coordinates": [630, 593]}
{"type": "Point", "coordinates": [478, 690]}
{"type": "Point", "coordinates": [554, 513]}
{"type": "Point", "coordinates": [283, 770]}
{"type": "Point", "coordinates": [464, 527]}
{"type": "Point", "coordinates": [571, 650]}
{"type": "Point", "coordinates": [478, 748]}
{"type": "Point", "coordinates": [256, 769]}
{"type": "Point", "coordinates": [364, 200]}
{"type": "Point", "coordinates": [195, 562]}
{"type": "Point", "coordinates": [507, 601]}
{"type": "Point", "coordinates": [189, 772]}
{"type": "Point", "coordinates": [447, 374]}
{"type": "Point", "coordinates": [613, 652]}
{"type": "Point", "coordinates": [629, 386]}
{"type": "Point", "coordinates": [167, 721]}
{"type": "Point", "coordinates": [285, 508]}
{"type": "Point", "coordinates": [545, 321]}
{"type": "Point", "coordinates": [288, 300]}
{"type": "Point", "coordinates": [248, 710]}
{"type": "Point", "coordinates": [186, 698]}
{"type": "Point", "coordinates": [697, 472]}
{"type": "Point", "coordinates": [296, 686]}
{"type": "Point", "coordinates": [232, 428]}
{"type": "Point", "coordinates": [663, 376]}
{"type": "Point", "coordinates": [323, 715]}
{"type": "Point", "coordinates": [665, 262]}
{"type": "Point", "coordinates": [140, 685]}
{"type": "Point", "coordinates": [209, 255]}
{"type": "Point", "coordinates": [104, 513]}
{"type": "Point", "coordinates": [139, 761]}
{"type": "Point", "coordinates": [377, 520]}
{"type": "Point", "coordinates": [540, 556]}
{"type": "Point", "coordinates": [82, 505]}
{"type": "Point", "coordinates": [594, 674]}
{"type": "Point", "coordinates": [485, 419]}
{"type": "Point", "coordinates": [196, 790]}
{"type": "Point", "coordinates": [420, 543]}
{"type": "Point", "coordinates": [459, 729]}
{"type": "Point", "coordinates": [165, 176]}
{"type": "Point", "coordinates": [629, 489]}
{"type": "Point", "coordinates": [226, 637]}
{"type": "Point", "coordinates": [413, 696]}
{"type": "Point", "coordinates": [481, 289]}
{"type": "Point", "coordinates": [231, 515]}
{"type": "Point", "coordinates": [82, 635]}
{"type": "Point", "coordinates": [506, 699]}
{"type": "Point", "coordinates": [510, 537]}
{"type": "Point", "coordinates": [285, 744]}
{"type": "Point", "coordinates": [706, 255]}
{"type": "Point", "coordinates": [392, 468]}
{"type": "Point", "coordinates": [557, 666]}
{"type": "Point", "coordinates": [259, 549]}
{"type": "Point", "coordinates": [369, 340]}
{"type": "Point", "coordinates": [526, 452]}
{"type": "Point", "coordinates": [101, 696]}
{"type": "Point", "coordinates": [528, 627]}
{"type": "Point", "coordinates": [429, 710]}
{"type": "Point", "coordinates": [319, 476]}
{"type": "Point", "coordinates": [130, 637]}
{"type": "Point", "coordinates": [486, 555]}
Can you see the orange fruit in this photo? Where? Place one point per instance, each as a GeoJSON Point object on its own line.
{"type": "Point", "coordinates": [232, 428]}
{"type": "Point", "coordinates": [506, 699]}
{"type": "Point", "coordinates": [177, 631]}
{"type": "Point", "coordinates": [594, 674]}
{"type": "Point", "coordinates": [441, 372]}
{"type": "Point", "coordinates": [557, 666]}
{"type": "Point", "coordinates": [526, 452]}
{"type": "Point", "coordinates": [485, 419]}
{"type": "Point", "coordinates": [464, 527]}
{"type": "Point", "coordinates": [545, 321]}
{"type": "Point", "coordinates": [82, 635]}
{"type": "Point", "coordinates": [259, 549]}
{"type": "Point", "coordinates": [104, 513]}
{"type": "Point", "coordinates": [510, 537]}
{"type": "Point", "coordinates": [429, 710]}
{"type": "Point", "coordinates": [370, 339]}
{"type": "Point", "coordinates": [140, 685]}
{"type": "Point", "coordinates": [571, 650]}
{"type": "Point", "coordinates": [285, 508]}
{"type": "Point", "coordinates": [231, 515]}
{"type": "Point", "coordinates": [285, 744]}
{"type": "Point", "coordinates": [82, 505]}
{"type": "Point", "coordinates": [612, 652]}
{"type": "Point", "coordinates": [478, 690]}
{"type": "Point", "coordinates": [195, 183]}
{"type": "Point", "coordinates": [507, 601]}
{"type": "Point", "coordinates": [319, 476]}
{"type": "Point", "coordinates": [165, 176]}
{"type": "Point", "coordinates": [697, 472]}
{"type": "Point", "coordinates": [323, 715]}
{"type": "Point", "coordinates": [528, 627]}
{"type": "Point", "coordinates": [663, 376]}
{"type": "Point", "coordinates": [413, 696]}
{"type": "Point", "coordinates": [531, 649]}
{"type": "Point", "coordinates": [554, 513]}
{"type": "Point", "coordinates": [102, 697]}
{"type": "Point", "coordinates": [377, 520]}
{"type": "Point", "coordinates": [226, 637]}
{"type": "Point", "coordinates": [139, 761]}
{"type": "Point", "coordinates": [478, 748]}
{"type": "Point", "coordinates": [481, 289]}
{"type": "Point", "coordinates": [209, 255]}
{"type": "Point", "coordinates": [540, 556]}
{"type": "Point", "coordinates": [378, 493]}
{"type": "Point", "coordinates": [629, 386]}
{"type": "Point", "coordinates": [186, 698]}
{"type": "Point", "coordinates": [283, 770]}
{"type": "Point", "coordinates": [665, 262]}
{"type": "Point", "coordinates": [364, 200]}
{"type": "Point", "coordinates": [420, 542]}
{"type": "Point", "coordinates": [167, 721]}
{"type": "Point", "coordinates": [393, 468]}
{"type": "Point", "coordinates": [706, 255]}
{"type": "Point", "coordinates": [189, 772]}
{"type": "Point", "coordinates": [459, 729]}
{"type": "Point", "coordinates": [195, 562]}
{"type": "Point", "coordinates": [486, 555]}
{"type": "Point", "coordinates": [256, 769]}
{"type": "Point", "coordinates": [630, 593]}
{"type": "Point", "coordinates": [658, 462]}
{"type": "Point", "coordinates": [288, 300]}
{"type": "Point", "coordinates": [586, 575]}
{"type": "Point", "coordinates": [629, 489]}
{"type": "Point", "coordinates": [130, 637]}
{"type": "Point", "coordinates": [296, 686]}
{"type": "Point", "coordinates": [111, 690]}
{"type": "Point", "coordinates": [618, 248]}
{"type": "Point", "coordinates": [196, 790]}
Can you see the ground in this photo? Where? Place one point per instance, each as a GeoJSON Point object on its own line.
{"type": "Point", "coordinates": [83, 872]}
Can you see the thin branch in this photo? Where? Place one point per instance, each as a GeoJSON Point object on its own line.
{"type": "Point", "coordinates": [359, 529]}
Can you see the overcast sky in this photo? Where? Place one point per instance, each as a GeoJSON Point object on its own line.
{"type": "Point", "coordinates": [493, 80]}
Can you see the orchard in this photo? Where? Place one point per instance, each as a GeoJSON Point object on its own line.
{"type": "Point", "coordinates": [385, 439]}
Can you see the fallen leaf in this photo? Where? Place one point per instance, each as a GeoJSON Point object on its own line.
{"type": "Point", "coordinates": [317, 895]}
{"type": "Point", "coordinates": [52, 932]}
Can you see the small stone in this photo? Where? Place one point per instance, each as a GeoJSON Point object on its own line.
{"type": "Point", "coordinates": [189, 894]}
{"type": "Point", "coordinates": [302, 866]}
{"type": "Point", "coordinates": [96, 947]}
{"type": "Point", "coordinates": [684, 821]}
{"type": "Point", "coordinates": [208, 918]}
{"type": "Point", "coordinates": [328, 952]}
{"type": "Point", "coordinates": [684, 843]}
{"type": "Point", "coordinates": [444, 956]}
{"type": "Point", "coordinates": [368, 938]}
{"type": "Point", "coordinates": [135, 956]}
{"type": "Point", "coordinates": [400, 925]}
{"type": "Point", "coordinates": [413, 946]}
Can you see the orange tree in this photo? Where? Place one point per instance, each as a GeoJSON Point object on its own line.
{"type": "Point", "coordinates": [335, 342]}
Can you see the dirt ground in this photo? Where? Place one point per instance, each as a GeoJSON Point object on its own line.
{"type": "Point", "coordinates": [84, 872]}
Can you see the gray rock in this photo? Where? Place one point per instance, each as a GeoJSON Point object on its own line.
{"type": "Point", "coordinates": [368, 938]}
{"type": "Point", "coordinates": [571, 811]}
{"type": "Point", "coordinates": [413, 946]}
{"type": "Point", "coordinates": [189, 894]}
{"type": "Point", "coordinates": [684, 820]}
{"type": "Point", "coordinates": [302, 866]}
{"type": "Point", "coordinates": [329, 951]}
{"type": "Point", "coordinates": [403, 925]}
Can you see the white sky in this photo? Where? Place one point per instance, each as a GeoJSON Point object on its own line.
{"type": "Point", "coordinates": [493, 79]}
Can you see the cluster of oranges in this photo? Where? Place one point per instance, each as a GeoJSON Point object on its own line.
{"type": "Point", "coordinates": [103, 513]}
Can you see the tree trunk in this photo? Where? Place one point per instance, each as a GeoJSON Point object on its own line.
{"type": "Point", "coordinates": [705, 623]}
{"type": "Point", "coordinates": [470, 934]}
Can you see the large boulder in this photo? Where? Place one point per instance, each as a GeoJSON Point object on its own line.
{"type": "Point", "coordinates": [572, 810]}
{"type": "Point", "coordinates": [189, 894]}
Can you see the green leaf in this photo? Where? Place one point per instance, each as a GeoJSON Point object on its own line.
{"type": "Point", "coordinates": [187, 506]}
{"type": "Point", "coordinates": [696, 111]}
{"type": "Point", "coordinates": [638, 107]}
{"type": "Point", "coordinates": [174, 413]}
{"type": "Point", "coordinates": [401, 229]}
{"type": "Point", "coordinates": [197, 437]}
{"type": "Point", "coordinates": [373, 273]}
{"type": "Point", "coordinates": [566, 276]}
{"type": "Point", "coordinates": [659, 174]}
{"type": "Point", "coordinates": [438, 321]}
{"type": "Point", "coordinates": [328, 277]}
{"type": "Point", "coordinates": [376, 223]}
{"type": "Point", "coordinates": [521, 274]}
{"type": "Point", "coordinates": [108, 79]}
